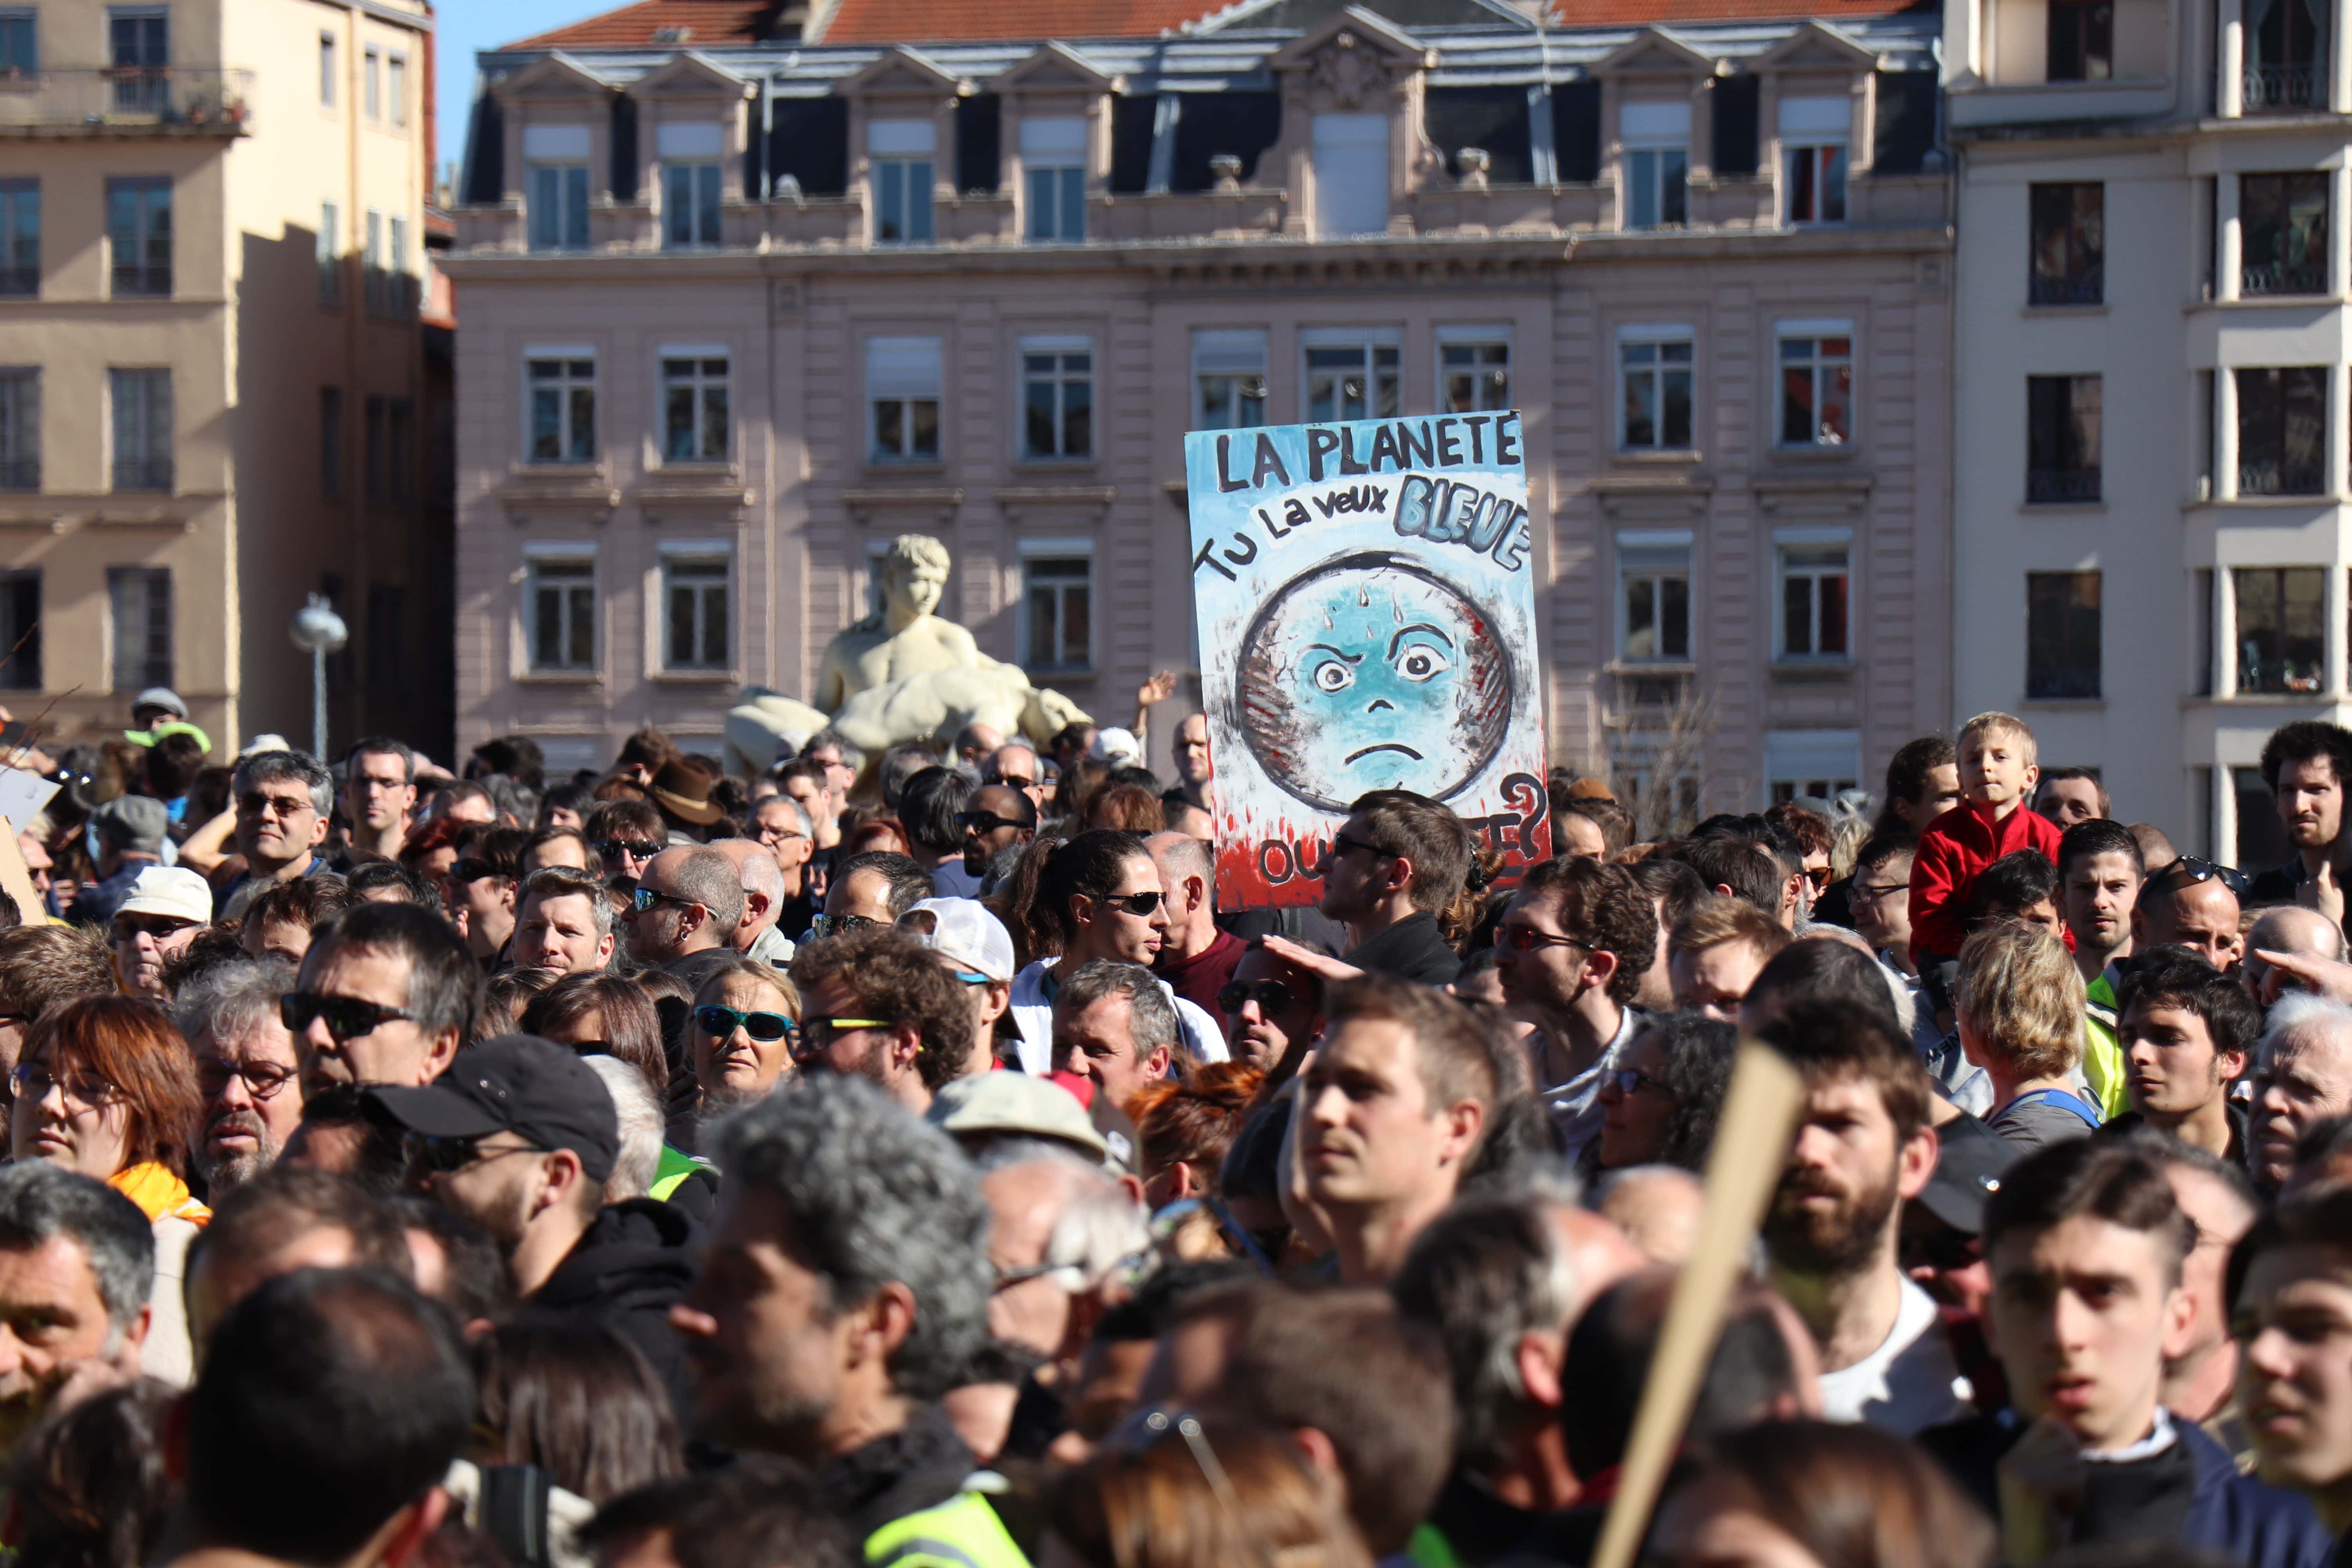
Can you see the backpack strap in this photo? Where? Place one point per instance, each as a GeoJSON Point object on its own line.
{"type": "Point", "coordinates": [2062, 1098]}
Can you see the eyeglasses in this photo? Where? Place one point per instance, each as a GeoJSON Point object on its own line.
{"type": "Point", "coordinates": [1629, 1080]}
{"type": "Point", "coordinates": [822, 926]}
{"type": "Point", "coordinates": [347, 1017]}
{"type": "Point", "coordinates": [984, 822]}
{"type": "Point", "coordinates": [1341, 844]}
{"type": "Point", "coordinates": [644, 898]}
{"type": "Point", "coordinates": [262, 1079]}
{"type": "Point", "coordinates": [1871, 892]}
{"type": "Point", "coordinates": [635, 848]}
{"type": "Point", "coordinates": [720, 1022]}
{"type": "Point", "coordinates": [127, 927]}
{"type": "Point", "coordinates": [1136, 904]}
{"type": "Point", "coordinates": [2196, 868]}
{"type": "Point", "coordinates": [1271, 997]}
{"type": "Point", "coordinates": [1010, 782]}
{"type": "Point", "coordinates": [1145, 1429]}
{"type": "Point", "coordinates": [31, 1080]}
{"type": "Point", "coordinates": [816, 1035]}
{"type": "Point", "coordinates": [1526, 939]}
{"type": "Point", "coordinates": [1819, 876]}
{"type": "Point", "coordinates": [1007, 1277]}
{"type": "Point", "coordinates": [444, 1155]}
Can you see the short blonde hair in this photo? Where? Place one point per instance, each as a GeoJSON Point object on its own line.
{"type": "Point", "coordinates": [2022, 998]}
{"type": "Point", "coordinates": [2007, 725]}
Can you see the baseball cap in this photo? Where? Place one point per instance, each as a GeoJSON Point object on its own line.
{"type": "Point", "coordinates": [1008, 1104]}
{"type": "Point", "coordinates": [135, 822]}
{"type": "Point", "coordinates": [964, 931]}
{"type": "Point", "coordinates": [1971, 1160]}
{"type": "Point", "coordinates": [515, 1083]}
{"type": "Point", "coordinates": [161, 697]}
{"type": "Point", "coordinates": [1116, 746]}
{"type": "Point", "coordinates": [172, 891]}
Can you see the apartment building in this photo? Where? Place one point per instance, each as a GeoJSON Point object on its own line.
{"type": "Point", "coordinates": [742, 306]}
{"type": "Point", "coordinates": [2152, 268]}
{"type": "Point", "coordinates": [211, 232]}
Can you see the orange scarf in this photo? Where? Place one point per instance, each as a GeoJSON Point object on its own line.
{"type": "Point", "coordinates": [159, 1193]}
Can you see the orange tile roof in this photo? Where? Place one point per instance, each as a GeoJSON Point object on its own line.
{"type": "Point", "coordinates": [1629, 13]}
{"type": "Point", "coordinates": [950, 21]}
{"type": "Point", "coordinates": [705, 22]}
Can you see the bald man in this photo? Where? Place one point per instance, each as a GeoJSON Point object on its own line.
{"type": "Point", "coordinates": [1196, 958]}
{"type": "Point", "coordinates": [2201, 915]}
{"type": "Point", "coordinates": [2287, 929]}
{"type": "Point", "coordinates": [1657, 1208]}
{"type": "Point", "coordinates": [756, 935]}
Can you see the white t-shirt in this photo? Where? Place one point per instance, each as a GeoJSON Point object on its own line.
{"type": "Point", "coordinates": [1575, 1105]}
{"type": "Point", "coordinates": [1908, 1383]}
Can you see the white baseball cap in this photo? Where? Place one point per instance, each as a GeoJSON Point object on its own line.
{"type": "Point", "coordinates": [172, 891]}
{"type": "Point", "coordinates": [964, 931]}
{"type": "Point", "coordinates": [1116, 746]}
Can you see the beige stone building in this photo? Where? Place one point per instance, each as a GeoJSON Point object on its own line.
{"type": "Point", "coordinates": [740, 312]}
{"type": "Point", "coordinates": [210, 358]}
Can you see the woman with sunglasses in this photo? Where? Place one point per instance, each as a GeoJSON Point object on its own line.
{"type": "Point", "coordinates": [1101, 894]}
{"type": "Point", "coordinates": [1660, 1102]}
{"type": "Point", "coordinates": [741, 1034]}
{"type": "Point", "coordinates": [107, 1088]}
{"type": "Point", "coordinates": [607, 1015]}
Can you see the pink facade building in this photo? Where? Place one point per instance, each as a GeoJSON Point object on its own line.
{"type": "Point", "coordinates": [739, 312]}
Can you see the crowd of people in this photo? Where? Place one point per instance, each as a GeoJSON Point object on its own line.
{"type": "Point", "coordinates": [903, 1160]}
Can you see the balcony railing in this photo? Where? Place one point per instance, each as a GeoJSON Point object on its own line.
{"type": "Point", "coordinates": [169, 98]}
{"type": "Point", "coordinates": [2282, 87]}
{"type": "Point", "coordinates": [2059, 486]}
{"type": "Point", "coordinates": [2283, 277]}
{"type": "Point", "coordinates": [2087, 286]}
{"type": "Point", "coordinates": [143, 473]}
{"type": "Point", "coordinates": [2273, 479]}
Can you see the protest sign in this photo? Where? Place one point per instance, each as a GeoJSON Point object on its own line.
{"type": "Point", "coordinates": [1365, 599]}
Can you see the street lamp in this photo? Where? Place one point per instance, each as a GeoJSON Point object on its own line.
{"type": "Point", "coordinates": [318, 631]}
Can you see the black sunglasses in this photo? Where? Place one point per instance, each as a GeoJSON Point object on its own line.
{"type": "Point", "coordinates": [2197, 868]}
{"type": "Point", "coordinates": [1271, 997]}
{"type": "Point", "coordinates": [984, 822]}
{"type": "Point", "coordinates": [444, 1155]}
{"type": "Point", "coordinates": [472, 870]}
{"type": "Point", "coordinates": [720, 1022]}
{"type": "Point", "coordinates": [822, 926]}
{"type": "Point", "coordinates": [636, 848]}
{"type": "Point", "coordinates": [1136, 904]}
{"type": "Point", "coordinates": [347, 1017]}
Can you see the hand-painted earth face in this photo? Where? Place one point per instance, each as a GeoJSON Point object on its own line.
{"type": "Point", "coordinates": [1370, 673]}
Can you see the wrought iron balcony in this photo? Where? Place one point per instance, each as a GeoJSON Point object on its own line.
{"type": "Point", "coordinates": [2283, 86]}
{"type": "Point", "coordinates": [2261, 478]}
{"type": "Point", "coordinates": [2282, 278]}
{"type": "Point", "coordinates": [2057, 486]}
{"type": "Point", "coordinates": [127, 99]}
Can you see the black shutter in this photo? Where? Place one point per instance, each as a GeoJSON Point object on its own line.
{"type": "Point", "coordinates": [1575, 131]}
{"type": "Point", "coordinates": [1492, 118]}
{"type": "Point", "coordinates": [486, 152]}
{"type": "Point", "coordinates": [1242, 124]}
{"type": "Point", "coordinates": [1737, 133]}
{"type": "Point", "coordinates": [625, 149]}
{"type": "Point", "coordinates": [1905, 130]}
{"type": "Point", "coordinates": [808, 138]}
{"type": "Point", "coordinates": [978, 133]}
{"type": "Point", "coordinates": [1131, 119]}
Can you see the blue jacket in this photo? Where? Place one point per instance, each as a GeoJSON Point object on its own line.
{"type": "Point", "coordinates": [2257, 1524]}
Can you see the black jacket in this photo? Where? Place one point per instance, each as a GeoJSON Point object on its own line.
{"type": "Point", "coordinates": [624, 1272]}
{"type": "Point", "coordinates": [919, 1465]}
{"type": "Point", "coordinates": [1413, 949]}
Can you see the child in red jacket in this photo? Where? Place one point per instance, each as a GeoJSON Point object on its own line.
{"type": "Point", "coordinates": [1998, 772]}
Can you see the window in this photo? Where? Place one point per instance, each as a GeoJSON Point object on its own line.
{"type": "Point", "coordinates": [694, 409]}
{"type": "Point", "coordinates": [139, 235]}
{"type": "Point", "coordinates": [902, 389]}
{"type": "Point", "coordinates": [20, 630]}
{"type": "Point", "coordinates": [330, 443]}
{"type": "Point", "coordinates": [328, 70]}
{"type": "Point", "coordinates": [2082, 41]}
{"type": "Point", "coordinates": [2280, 639]}
{"type": "Point", "coordinates": [1818, 764]}
{"type": "Point", "coordinates": [2282, 422]}
{"type": "Point", "coordinates": [1813, 133]}
{"type": "Point", "coordinates": [140, 600]}
{"type": "Point", "coordinates": [20, 236]}
{"type": "Point", "coordinates": [2285, 41]}
{"type": "Point", "coordinates": [692, 181]}
{"type": "Point", "coordinates": [20, 428]}
{"type": "Point", "coordinates": [2062, 438]}
{"type": "Point", "coordinates": [1815, 581]}
{"type": "Point", "coordinates": [20, 52]}
{"type": "Point", "coordinates": [331, 260]}
{"type": "Point", "coordinates": [1475, 371]}
{"type": "Point", "coordinates": [1349, 376]}
{"type": "Point", "coordinates": [1653, 384]}
{"type": "Point", "coordinates": [1656, 138]}
{"type": "Point", "coordinates": [2062, 636]}
{"type": "Point", "coordinates": [372, 84]}
{"type": "Point", "coordinates": [1350, 154]}
{"type": "Point", "coordinates": [1817, 385]}
{"type": "Point", "coordinates": [2282, 222]}
{"type": "Point", "coordinates": [2068, 245]}
{"type": "Point", "coordinates": [695, 611]}
{"type": "Point", "coordinates": [395, 87]}
{"type": "Point", "coordinates": [1228, 379]}
{"type": "Point", "coordinates": [142, 428]}
{"type": "Point", "coordinates": [559, 611]}
{"type": "Point", "coordinates": [139, 46]}
{"type": "Point", "coordinates": [563, 409]}
{"type": "Point", "coordinates": [1053, 157]}
{"type": "Point", "coordinates": [902, 152]}
{"type": "Point", "coordinates": [556, 192]}
{"type": "Point", "coordinates": [1653, 595]}
{"type": "Point", "coordinates": [1058, 611]}
{"type": "Point", "coordinates": [1057, 397]}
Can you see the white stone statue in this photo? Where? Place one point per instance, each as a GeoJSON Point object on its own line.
{"type": "Point", "coordinates": [905, 639]}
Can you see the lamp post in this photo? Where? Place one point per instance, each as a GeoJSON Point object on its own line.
{"type": "Point", "coordinates": [318, 631]}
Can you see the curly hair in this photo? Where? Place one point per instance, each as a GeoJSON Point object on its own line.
{"type": "Point", "coordinates": [875, 1197]}
{"type": "Point", "coordinates": [895, 977]}
{"type": "Point", "coordinates": [1699, 1051]}
{"type": "Point", "coordinates": [1606, 906]}
{"type": "Point", "coordinates": [2022, 998]}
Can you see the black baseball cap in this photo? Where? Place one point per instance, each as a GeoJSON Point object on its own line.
{"type": "Point", "coordinates": [1970, 1161]}
{"type": "Point", "coordinates": [515, 1083]}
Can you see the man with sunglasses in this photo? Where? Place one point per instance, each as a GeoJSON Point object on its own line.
{"type": "Point", "coordinates": [996, 818]}
{"type": "Point", "coordinates": [1196, 958]}
{"type": "Point", "coordinates": [871, 890]}
{"type": "Point", "coordinates": [1016, 767]}
{"type": "Point", "coordinates": [878, 1004]}
{"type": "Point", "coordinates": [1398, 859]}
{"type": "Point", "coordinates": [687, 903]}
{"type": "Point", "coordinates": [521, 1139]}
{"type": "Point", "coordinates": [1274, 1011]}
{"type": "Point", "coordinates": [246, 1069]}
{"type": "Point", "coordinates": [2192, 903]}
{"type": "Point", "coordinates": [387, 995]}
{"type": "Point", "coordinates": [1571, 950]}
{"type": "Point", "coordinates": [284, 800]}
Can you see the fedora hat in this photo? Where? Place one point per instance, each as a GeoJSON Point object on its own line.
{"type": "Point", "coordinates": [684, 790]}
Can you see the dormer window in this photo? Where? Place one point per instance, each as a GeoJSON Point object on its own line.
{"type": "Point", "coordinates": [1813, 133]}
{"type": "Point", "coordinates": [902, 153]}
{"type": "Point", "coordinates": [1656, 139]}
{"type": "Point", "coordinates": [692, 177]}
{"type": "Point", "coordinates": [1053, 156]}
{"type": "Point", "coordinates": [556, 157]}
